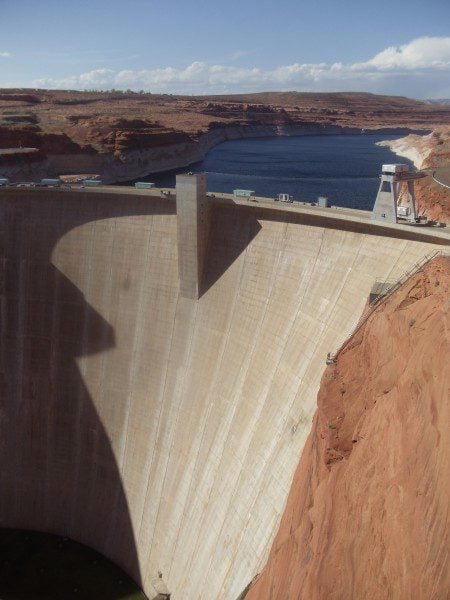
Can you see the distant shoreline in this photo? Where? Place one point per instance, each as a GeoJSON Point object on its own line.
{"type": "Point", "coordinates": [409, 147]}
{"type": "Point", "coordinates": [141, 163]}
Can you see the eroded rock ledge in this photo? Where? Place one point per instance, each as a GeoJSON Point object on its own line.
{"type": "Point", "coordinates": [126, 136]}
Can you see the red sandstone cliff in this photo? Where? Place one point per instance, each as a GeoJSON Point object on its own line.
{"type": "Point", "coordinates": [367, 514]}
{"type": "Point", "coordinates": [126, 135]}
{"type": "Point", "coordinates": [433, 200]}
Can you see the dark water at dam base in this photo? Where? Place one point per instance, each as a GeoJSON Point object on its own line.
{"type": "Point", "coordinates": [41, 566]}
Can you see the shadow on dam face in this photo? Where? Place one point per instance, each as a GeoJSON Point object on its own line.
{"type": "Point", "coordinates": [229, 236]}
{"type": "Point", "coordinates": [42, 566]}
{"type": "Point", "coordinates": [58, 471]}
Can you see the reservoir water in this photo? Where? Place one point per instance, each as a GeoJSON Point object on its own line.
{"type": "Point", "coordinates": [345, 168]}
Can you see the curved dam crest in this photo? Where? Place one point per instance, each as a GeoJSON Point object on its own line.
{"type": "Point", "coordinates": [164, 430]}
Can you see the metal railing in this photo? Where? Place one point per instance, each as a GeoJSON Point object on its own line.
{"type": "Point", "coordinates": [379, 300]}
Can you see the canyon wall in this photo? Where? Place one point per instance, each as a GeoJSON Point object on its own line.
{"type": "Point", "coordinates": [127, 136]}
{"type": "Point", "coordinates": [141, 162]}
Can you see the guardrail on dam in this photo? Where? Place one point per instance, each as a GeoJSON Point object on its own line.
{"type": "Point", "coordinates": [163, 428]}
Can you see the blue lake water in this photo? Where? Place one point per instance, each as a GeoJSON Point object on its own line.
{"type": "Point", "coordinates": [345, 168]}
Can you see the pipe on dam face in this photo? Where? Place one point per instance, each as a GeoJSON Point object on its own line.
{"type": "Point", "coordinates": [161, 429]}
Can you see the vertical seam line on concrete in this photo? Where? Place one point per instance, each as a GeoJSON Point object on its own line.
{"type": "Point", "coordinates": [209, 408]}
{"type": "Point", "coordinates": [162, 395]}
{"type": "Point", "coordinates": [137, 341]}
{"type": "Point", "coordinates": [20, 341]}
{"type": "Point", "coordinates": [103, 365]}
{"type": "Point", "coordinates": [325, 328]}
{"type": "Point", "coordinates": [295, 318]}
{"type": "Point", "coordinates": [82, 374]}
{"type": "Point", "coordinates": [157, 432]}
{"type": "Point", "coordinates": [399, 255]}
{"type": "Point", "coordinates": [22, 315]}
{"type": "Point", "coordinates": [238, 293]}
{"type": "Point", "coordinates": [82, 371]}
{"type": "Point", "coordinates": [188, 357]}
{"type": "Point", "coordinates": [317, 342]}
{"type": "Point", "coordinates": [53, 373]}
{"type": "Point", "coordinates": [120, 463]}
{"type": "Point", "coordinates": [255, 345]}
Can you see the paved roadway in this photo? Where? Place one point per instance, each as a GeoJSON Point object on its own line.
{"type": "Point", "coordinates": [442, 176]}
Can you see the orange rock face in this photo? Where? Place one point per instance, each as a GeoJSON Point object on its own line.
{"type": "Point", "coordinates": [62, 122]}
{"type": "Point", "coordinates": [433, 200]}
{"type": "Point", "coordinates": [367, 514]}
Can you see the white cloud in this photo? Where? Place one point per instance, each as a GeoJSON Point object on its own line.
{"type": "Point", "coordinates": [423, 53]}
{"type": "Point", "coordinates": [5, 54]}
{"type": "Point", "coordinates": [420, 68]}
{"type": "Point", "coordinates": [241, 54]}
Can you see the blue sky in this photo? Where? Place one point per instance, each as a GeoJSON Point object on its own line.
{"type": "Point", "coordinates": [236, 46]}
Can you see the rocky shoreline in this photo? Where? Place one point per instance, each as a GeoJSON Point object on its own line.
{"type": "Point", "coordinates": [416, 148]}
{"type": "Point", "coordinates": [133, 164]}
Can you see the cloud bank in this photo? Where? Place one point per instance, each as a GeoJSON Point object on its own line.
{"type": "Point", "coordinates": [5, 54]}
{"type": "Point", "coordinates": [420, 68]}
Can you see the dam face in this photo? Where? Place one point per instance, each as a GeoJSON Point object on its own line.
{"type": "Point", "coordinates": [159, 429]}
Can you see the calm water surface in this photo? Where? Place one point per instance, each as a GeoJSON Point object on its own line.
{"type": "Point", "coordinates": [345, 168]}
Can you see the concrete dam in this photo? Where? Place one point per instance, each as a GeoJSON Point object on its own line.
{"type": "Point", "coordinates": [159, 365]}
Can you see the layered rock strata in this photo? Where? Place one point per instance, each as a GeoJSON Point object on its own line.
{"type": "Point", "coordinates": [126, 136]}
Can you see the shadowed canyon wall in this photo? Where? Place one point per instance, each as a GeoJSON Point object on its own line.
{"type": "Point", "coordinates": [161, 430]}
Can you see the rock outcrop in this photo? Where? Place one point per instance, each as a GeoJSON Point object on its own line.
{"type": "Point", "coordinates": [367, 514]}
{"type": "Point", "coordinates": [433, 200]}
{"type": "Point", "coordinates": [431, 153]}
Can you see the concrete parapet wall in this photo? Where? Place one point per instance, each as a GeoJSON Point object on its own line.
{"type": "Point", "coordinates": [160, 429]}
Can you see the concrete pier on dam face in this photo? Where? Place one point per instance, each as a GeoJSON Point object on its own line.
{"type": "Point", "coordinates": [159, 429]}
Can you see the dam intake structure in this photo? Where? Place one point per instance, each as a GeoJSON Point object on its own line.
{"type": "Point", "coordinates": [395, 199]}
{"type": "Point", "coordinates": [160, 360]}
